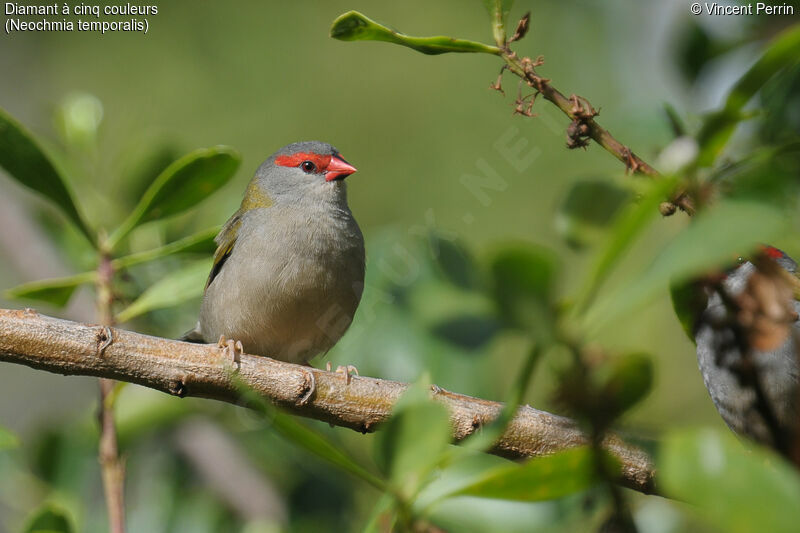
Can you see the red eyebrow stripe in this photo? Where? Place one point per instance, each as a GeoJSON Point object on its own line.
{"type": "Point", "coordinates": [772, 252]}
{"type": "Point", "coordinates": [294, 160]}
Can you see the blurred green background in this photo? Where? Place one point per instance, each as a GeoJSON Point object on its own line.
{"type": "Point", "coordinates": [256, 75]}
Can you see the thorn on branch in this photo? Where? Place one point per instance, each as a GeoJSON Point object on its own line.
{"type": "Point", "coordinates": [534, 80]}
{"type": "Point", "coordinates": [104, 339]}
{"type": "Point", "coordinates": [497, 85]}
{"type": "Point", "coordinates": [309, 387]}
{"type": "Point", "coordinates": [631, 161]}
{"type": "Point", "coordinates": [529, 64]}
{"type": "Point", "coordinates": [522, 28]}
{"type": "Point", "coordinates": [581, 108]}
{"type": "Point", "coordinates": [521, 108]}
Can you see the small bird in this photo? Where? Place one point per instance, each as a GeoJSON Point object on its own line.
{"type": "Point", "coordinates": [288, 272]}
{"type": "Point", "coordinates": [753, 312]}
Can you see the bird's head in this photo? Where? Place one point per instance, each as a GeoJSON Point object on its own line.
{"type": "Point", "coordinates": [780, 257]}
{"type": "Point", "coordinates": [310, 169]}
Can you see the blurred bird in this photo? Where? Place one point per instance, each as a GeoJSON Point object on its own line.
{"type": "Point", "coordinates": [747, 342]}
{"type": "Point", "coordinates": [288, 272]}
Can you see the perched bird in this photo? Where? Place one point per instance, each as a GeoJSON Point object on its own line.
{"type": "Point", "coordinates": [747, 349]}
{"type": "Point", "coordinates": [288, 272]}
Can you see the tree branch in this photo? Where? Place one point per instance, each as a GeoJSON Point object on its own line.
{"type": "Point", "coordinates": [184, 369]}
{"type": "Point", "coordinates": [111, 465]}
{"type": "Point", "coordinates": [578, 109]}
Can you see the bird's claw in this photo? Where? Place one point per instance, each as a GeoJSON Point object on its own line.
{"type": "Point", "coordinates": [231, 349]}
{"type": "Point", "coordinates": [343, 369]}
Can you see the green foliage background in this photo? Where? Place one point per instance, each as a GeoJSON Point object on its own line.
{"type": "Point", "coordinates": [258, 75]}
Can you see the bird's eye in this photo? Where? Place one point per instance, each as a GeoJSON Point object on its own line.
{"type": "Point", "coordinates": [308, 166]}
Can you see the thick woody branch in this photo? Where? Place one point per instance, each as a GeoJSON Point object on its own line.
{"type": "Point", "coordinates": [184, 369]}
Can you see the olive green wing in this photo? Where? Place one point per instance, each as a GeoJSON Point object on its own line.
{"type": "Point", "coordinates": [225, 243]}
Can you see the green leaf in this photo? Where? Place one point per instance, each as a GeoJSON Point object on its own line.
{"type": "Point", "coordinates": [49, 519]}
{"type": "Point", "coordinates": [498, 11]}
{"type": "Point", "coordinates": [768, 175]}
{"type": "Point", "coordinates": [7, 439]}
{"type": "Point", "coordinates": [590, 206]}
{"type": "Point", "coordinates": [181, 186]}
{"type": "Point", "coordinates": [465, 318]}
{"type": "Point", "coordinates": [382, 517]}
{"type": "Point", "coordinates": [599, 391]}
{"type": "Point", "coordinates": [783, 51]}
{"type": "Point", "coordinates": [304, 437]}
{"type": "Point", "coordinates": [498, 7]}
{"type": "Point", "coordinates": [778, 97]}
{"type": "Point", "coordinates": [455, 262]}
{"type": "Point", "coordinates": [734, 489]}
{"type": "Point", "coordinates": [540, 478]}
{"type": "Point", "coordinates": [414, 440]}
{"type": "Point", "coordinates": [696, 46]}
{"type": "Point", "coordinates": [25, 161]}
{"type": "Point", "coordinates": [468, 332]}
{"type": "Point", "coordinates": [629, 379]}
{"type": "Point", "coordinates": [627, 226]}
{"type": "Point", "coordinates": [315, 443]}
{"type": "Point", "coordinates": [676, 123]}
{"type": "Point", "coordinates": [484, 439]}
{"type": "Point", "coordinates": [56, 291]}
{"type": "Point", "coordinates": [138, 417]}
{"type": "Point", "coordinates": [353, 26]}
{"type": "Point", "coordinates": [524, 278]}
{"type": "Point", "coordinates": [720, 233]}
{"type": "Point", "coordinates": [201, 242]}
{"type": "Point", "coordinates": [177, 287]}
{"type": "Point", "coordinates": [688, 301]}
{"type": "Point", "coordinates": [463, 468]}
{"type": "Point", "coordinates": [431, 300]}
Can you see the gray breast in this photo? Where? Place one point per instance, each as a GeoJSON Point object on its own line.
{"type": "Point", "coordinates": [292, 284]}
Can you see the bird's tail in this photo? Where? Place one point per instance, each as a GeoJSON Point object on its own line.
{"type": "Point", "coordinates": [193, 335]}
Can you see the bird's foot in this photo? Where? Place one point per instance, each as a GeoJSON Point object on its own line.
{"type": "Point", "coordinates": [231, 350]}
{"type": "Point", "coordinates": [346, 370]}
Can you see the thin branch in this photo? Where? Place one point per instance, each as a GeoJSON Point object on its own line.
{"type": "Point", "coordinates": [184, 369]}
{"type": "Point", "coordinates": [580, 111]}
{"type": "Point", "coordinates": [111, 465]}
